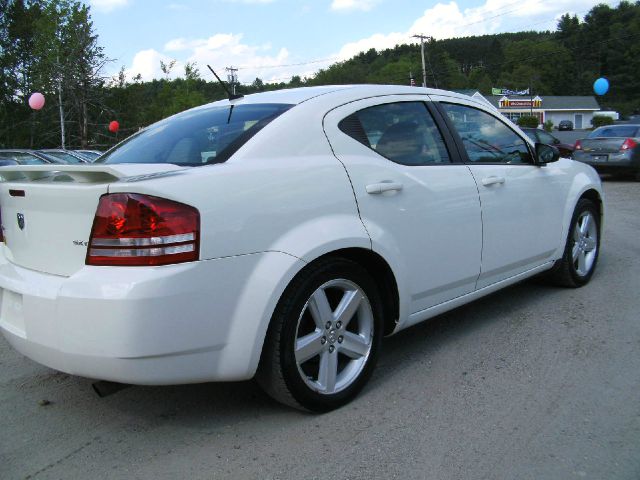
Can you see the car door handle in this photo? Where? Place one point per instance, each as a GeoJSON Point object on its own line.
{"type": "Point", "coordinates": [492, 180]}
{"type": "Point", "coordinates": [377, 188]}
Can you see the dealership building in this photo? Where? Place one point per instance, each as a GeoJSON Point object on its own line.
{"type": "Point", "coordinates": [578, 109]}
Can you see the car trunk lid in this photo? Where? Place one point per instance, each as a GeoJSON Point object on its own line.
{"type": "Point", "coordinates": [47, 211]}
{"type": "Point", "coordinates": [602, 145]}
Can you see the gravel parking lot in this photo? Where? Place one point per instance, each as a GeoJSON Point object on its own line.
{"type": "Point", "coordinates": [533, 382]}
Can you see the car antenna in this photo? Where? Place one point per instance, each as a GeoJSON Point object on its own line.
{"type": "Point", "coordinates": [232, 96]}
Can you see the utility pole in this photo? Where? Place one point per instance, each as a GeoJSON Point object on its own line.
{"type": "Point", "coordinates": [424, 70]}
{"type": "Point", "coordinates": [232, 78]}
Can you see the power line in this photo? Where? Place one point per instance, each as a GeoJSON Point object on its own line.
{"type": "Point", "coordinates": [423, 37]}
{"type": "Point", "coordinates": [247, 67]}
{"type": "Point", "coordinates": [533, 57]}
{"type": "Point", "coordinates": [335, 58]}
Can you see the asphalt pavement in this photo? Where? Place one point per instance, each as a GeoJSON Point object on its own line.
{"type": "Point", "coordinates": [533, 382]}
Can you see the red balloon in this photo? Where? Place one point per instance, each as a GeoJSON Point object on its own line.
{"type": "Point", "coordinates": [114, 126]}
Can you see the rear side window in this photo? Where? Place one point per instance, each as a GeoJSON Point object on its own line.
{"type": "Point", "coordinates": [196, 137]}
{"type": "Point", "coordinates": [621, 131]}
{"type": "Point", "coordinates": [485, 138]}
{"type": "Point", "coordinates": [404, 133]}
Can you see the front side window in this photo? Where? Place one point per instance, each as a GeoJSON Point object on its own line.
{"type": "Point", "coordinates": [403, 132]}
{"type": "Point", "coordinates": [485, 138]}
{"type": "Point", "coordinates": [196, 137]}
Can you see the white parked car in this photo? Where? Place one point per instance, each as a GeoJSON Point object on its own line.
{"type": "Point", "coordinates": [282, 235]}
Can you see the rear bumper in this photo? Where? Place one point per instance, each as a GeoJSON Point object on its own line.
{"type": "Point", "coordinates": [161, 325]}
{"type": "Point", "coordinates": [609, 162]}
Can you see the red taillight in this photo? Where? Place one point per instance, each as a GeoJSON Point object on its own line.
{"type": "Point", "coordinates": [628, 144]}
{"type": "Point", "coordinates": [131, 229]}
{"type": "Point", "coordinates": [578, 145]}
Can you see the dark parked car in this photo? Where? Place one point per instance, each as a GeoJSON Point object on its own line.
{"type": "Point", "coordinates": [565, 125]}
{"type": "Point", "coordinates": [540, 136]}
{"type": "Point", "coordinates": [27, 157]}
{"type": "Point", "coordinates": [611, 149]}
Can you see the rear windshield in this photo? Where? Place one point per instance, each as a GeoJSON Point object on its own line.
{"type": "Point", "coordinates": [65, 157]}
{"type": "Point", "coordinates": [618, 131]}
{"type": "Point", "coordinates": [196, 137]}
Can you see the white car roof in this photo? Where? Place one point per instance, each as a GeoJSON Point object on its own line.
{"type": "Point", "coordinates": [296, 96]}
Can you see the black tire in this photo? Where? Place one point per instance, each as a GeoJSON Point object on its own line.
{"type": "Point", "coordinates": [565, 272]}
{"type": "Point", "coordinates": [281, 375]}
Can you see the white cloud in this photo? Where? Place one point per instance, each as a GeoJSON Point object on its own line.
{"type": "Point", "coordinates": [108, 5]}
{"type": "Point", "coordinates": [349, 5]}
{"type": "Point", "coordinates": [220, 51]}
{"type": "Point", "coordinates": [147, 64]}
{"type": "Point", "coordinates": [446, 20]}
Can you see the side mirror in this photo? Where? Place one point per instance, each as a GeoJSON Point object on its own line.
{"type": "Point", "coordinates": [546, 154]}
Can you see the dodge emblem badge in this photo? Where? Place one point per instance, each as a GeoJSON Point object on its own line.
{"type": "Point", "coordinates": [21, 221]}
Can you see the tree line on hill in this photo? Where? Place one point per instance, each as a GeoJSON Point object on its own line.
{"type": "Point", "coordinates": [50, 46]}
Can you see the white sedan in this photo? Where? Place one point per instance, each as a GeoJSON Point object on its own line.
{"type": "Point", "coordinates": [282, 235]}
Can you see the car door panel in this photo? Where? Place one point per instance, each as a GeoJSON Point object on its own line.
{"type": "Point", "coordinates": [522, 224]}
{"type": "Point", "coordinates": [427, 219]}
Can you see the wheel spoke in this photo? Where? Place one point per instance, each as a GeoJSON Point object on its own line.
{"type": "Point", "coordinates": [354, 346]}
{"type": "Point", "coordinates": [584, 226]}
{"type": "Point", "coordinates": [308, 346]}
{"type": "Point", "coordinates": [576, 233]}
{"type": "Point", "coordinates": [319, 308]}
{"type": "Point", "coordinates": [348, 307]}
{"type": "Point", "coordinates": [328, 371]}
{"type": "Point", "coordinates": [575, 251]}
{"type": "Point", "coordinates": [582, 263]}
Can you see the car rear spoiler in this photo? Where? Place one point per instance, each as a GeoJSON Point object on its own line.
{"type": "Point", "coordinates": [85, 173]}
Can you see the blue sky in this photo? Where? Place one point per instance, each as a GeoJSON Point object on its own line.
{"type": "Point", "coordinates": [275, 39]}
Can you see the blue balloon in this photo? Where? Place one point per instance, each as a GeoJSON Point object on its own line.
{"type": "Point", "coordinates": [601, 86]}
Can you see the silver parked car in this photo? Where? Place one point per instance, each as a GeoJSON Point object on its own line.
{"type": "Point", "coordinates": [26, 157]}
{"type": "Point", "coordinates": [611, 149]}
{"type": "Point", "coordinates": [66, 156]}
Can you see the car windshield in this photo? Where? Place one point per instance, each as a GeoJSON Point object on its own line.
{"type": "Point", "coordinates": [196, 137]}
{"type": "Point", "coordinates": [617, 131]}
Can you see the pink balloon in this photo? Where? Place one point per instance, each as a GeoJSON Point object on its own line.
{"type": "Point", "coordinates": [36, 101]}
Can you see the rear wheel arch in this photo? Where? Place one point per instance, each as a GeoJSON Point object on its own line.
{"type": "Point", "coordinates": [596, 199]}
{"type": "Point", "coordinates": [377, 268]}
{"type": "Point", "coordinates": [384, 278]}
{"type": "Point", "coordinates": [380, 272]}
